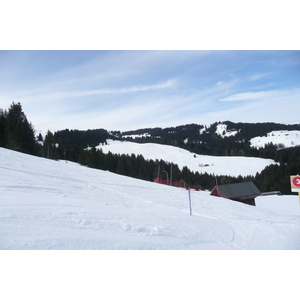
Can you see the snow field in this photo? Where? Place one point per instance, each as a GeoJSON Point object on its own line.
{"type": "Point", "coordinates": [62, 205]}
{"type": "Point", "coordinates": [222, 131]}
{"type": "Point", "coordinates": [285, 138]}
{"type": "Point", "coordinates": [218, 165]}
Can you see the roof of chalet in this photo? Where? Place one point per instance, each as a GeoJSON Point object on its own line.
{"type": "Point", "coordinates": [237, 190]}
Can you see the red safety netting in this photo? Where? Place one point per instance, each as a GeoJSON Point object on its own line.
{"type": "Point", "coordinates": [180, 183]}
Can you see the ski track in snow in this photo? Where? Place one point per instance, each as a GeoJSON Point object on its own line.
{"type": "Point", "coordinates": [102, 210]}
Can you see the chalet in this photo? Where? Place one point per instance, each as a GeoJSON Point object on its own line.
{"type": "Point", "coordinates": [244, 192]}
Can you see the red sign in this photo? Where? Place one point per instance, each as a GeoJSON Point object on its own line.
{"type": "Point", "coordinates": [295, 184]}
{"type": "Point", "coordinates": [296, 181]}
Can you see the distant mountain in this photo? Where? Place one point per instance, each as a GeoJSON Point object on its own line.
{"type": "Point", "coordinates": [220, 138]}
{"type": "Point", "coordinates": [196, 133]}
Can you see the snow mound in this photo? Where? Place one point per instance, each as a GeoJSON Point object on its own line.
{"type": "Point", "coordinates": [49, 204]}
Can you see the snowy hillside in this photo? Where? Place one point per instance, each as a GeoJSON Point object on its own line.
{"type": "Point", "coordinates": [222, 165]}
{"type": "Point", "coordinates": [223, 132]}
{"type": "Point", "coordinates": [282, 138]}
{"type": "Point", "coordinates": [49, 204]}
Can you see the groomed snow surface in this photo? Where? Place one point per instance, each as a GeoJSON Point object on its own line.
{"type": "Point", "coordinates": [48, 204]}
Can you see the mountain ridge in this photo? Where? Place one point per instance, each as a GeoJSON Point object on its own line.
{"type": "Point", "coordinates": [179, 134]}
{"type": "Point", "coordinates": [218, 139]}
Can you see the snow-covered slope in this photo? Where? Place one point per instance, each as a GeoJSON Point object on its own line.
{"type": "Point", "coordinates": [282, 138]}
{"type": "Point", "coordinates": [223, 132]}
{"type": "Point", "coordinates": [47, 204]}
{"type": "Point", "coordinates": [218, 165]}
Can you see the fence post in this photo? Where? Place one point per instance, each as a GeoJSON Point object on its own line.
{"type": "Point", "coordinates": [189, 189]}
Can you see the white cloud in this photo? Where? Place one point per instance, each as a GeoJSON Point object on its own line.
{"type": "Point", "coordinates": [74, 94]}
{"type": "Point", "coordinates": [273, 106]}
{"type": "Point", "coordinates": [258, 76]}
{"type": "Point", "coordinates": [137, 88]}
{"type": "Point", "coordinates": [248, 96]}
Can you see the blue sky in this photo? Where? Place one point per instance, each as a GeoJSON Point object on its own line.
{"type": "Point", "coordinates": [124, 90]}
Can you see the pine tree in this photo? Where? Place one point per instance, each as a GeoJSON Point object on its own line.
{"type": "Point", "coordinates": [40, 137]}
{"type": "Point", "coordinates": [2, 128]}
{"type": "Point", "coordinates": [19, 132]}
{"type": "Point", "coordinates": [82, 157]}
{"type": "Point", "coordinates": [92, 158]}
{"type": "Point", "coordinates": [49, 149]}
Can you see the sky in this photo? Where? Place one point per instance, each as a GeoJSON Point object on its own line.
{"type": "Point", "coordinates": [126, 90]}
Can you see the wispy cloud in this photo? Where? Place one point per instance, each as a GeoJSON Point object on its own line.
{"type": "Point", "coordinates": [276, 106]}
{"type": "Point", "coordinates": [258, 76]}
{"type": "Point", "coordinates": [122, 90]}
{"type": "Point", "coordinates": [247, 96]}
{"type": "Point", "coordinates": [136, 88]}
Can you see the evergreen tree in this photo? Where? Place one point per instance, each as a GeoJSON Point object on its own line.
{"type": "Point", "coordinates": [49, 149]}
{"type": "Point", "coordinates": [2, 128]}
{"type": "Point", "coordinates": [40, 137]}
{"type": "Point", "coordinates": [19, 132]}
{"type": "Point", "coordinates": [92, 158]}
{"type": "Point", "coordinates": [121, 165]}
{"type": "Point", "coordinates": [82, 157]}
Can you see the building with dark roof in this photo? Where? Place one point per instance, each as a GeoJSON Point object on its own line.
{"type": "Point", "coordinates": [244, 192]}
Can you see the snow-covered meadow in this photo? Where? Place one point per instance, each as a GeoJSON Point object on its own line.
{"type": "Point", "coordinates": [48, 204]}
{"type": "Point", "coordinates": [217, 165]}
{"type": "Point", "coordinates": [281, 138]}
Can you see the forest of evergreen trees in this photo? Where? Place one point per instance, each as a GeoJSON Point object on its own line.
{"type": "Point", "coordinates": [18, 134]}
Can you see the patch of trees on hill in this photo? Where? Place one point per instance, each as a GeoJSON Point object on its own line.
{"type": "Point", "coordinates": [81, 138]}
